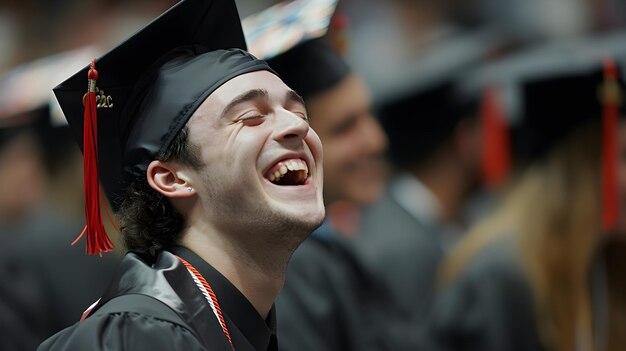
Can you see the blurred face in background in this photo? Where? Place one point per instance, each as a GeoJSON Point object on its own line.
{"type": "Point", "coordinates": [353, 141]}
{"type": "Point", "coordinates": [21, 177]}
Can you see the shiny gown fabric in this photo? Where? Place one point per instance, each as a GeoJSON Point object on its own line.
{"type": "Point", "coordinates": [163, 285]}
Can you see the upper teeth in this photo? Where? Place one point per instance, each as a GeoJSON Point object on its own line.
{"type": "Point", "coordinates": [290, 165]}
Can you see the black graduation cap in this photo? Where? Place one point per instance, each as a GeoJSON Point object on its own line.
{"type": "Point", "coordinates": [311, 67]}
{"type": "Point", "coordinates": [547, 90]}
{"type": "Point", "coordinates": [418, 122]}
{"type": "Point", "coordinates": [421, 108]}
{"type": "Point", "coordinates": [550, 90]}
{"type": "Point", "coordinates": [149, 86]}
{"type": "Point", "coordinates": [555, 104]}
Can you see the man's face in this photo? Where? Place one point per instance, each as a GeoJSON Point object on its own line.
{"type": "Point", "coordinates": [262, 166]}
{"type": "Point", "coordinates": [353, 142]}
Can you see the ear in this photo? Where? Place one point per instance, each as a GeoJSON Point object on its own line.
{"type": "Point", "coordinates": [169, 180]}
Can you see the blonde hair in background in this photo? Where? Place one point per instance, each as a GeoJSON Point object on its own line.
{"type": "Point", "coordinates": [553, 214]}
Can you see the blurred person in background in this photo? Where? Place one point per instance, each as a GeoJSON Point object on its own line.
{"type": "Point", "coordinates": [435, 145]}
{"type": "Point", "coordinates": [21, 181]}
{"type": "Point", "coordinates": [22, 185]}
{"type": "Point", "coordinates": [523, 278]}
{"type": "Point", "coordinates": [38, 28]}
{"type": "Point", "coordinates": [322, 304]}
{"type": "Point", "coordinates": [71, 279]}
{"type": "Point", "coordinates": [63, 280]}
{"type": "Point", "coordinates": [326, 301]}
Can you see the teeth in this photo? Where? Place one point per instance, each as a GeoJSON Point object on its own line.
{"type": "Point", "coordinates": [283, 167]}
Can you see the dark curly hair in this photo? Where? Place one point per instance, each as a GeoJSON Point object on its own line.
{"type": "Point", "coordinates": [148, 221]}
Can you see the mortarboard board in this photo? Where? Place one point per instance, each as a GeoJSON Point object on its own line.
{"type": "Point", "coordinates": [545, 90]}
{"type": "Point", "coordinates": [148, 87]}
{"type": "Point", "coordinates": [496, 84]}
{"type": "Point", "coordinates": [289, 36]}
{"type": "Point", "coordinates": [555, 104]}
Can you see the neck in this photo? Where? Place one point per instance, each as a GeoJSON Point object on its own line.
{"type": "Point", "coordinates": [448, 184]}
{"type": "Point", "coordinates": [257, 273]}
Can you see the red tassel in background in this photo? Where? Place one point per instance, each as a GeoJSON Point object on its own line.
{"type": "Point", "coordinates": [97, 239]}
{"type": "Point", "coordinates": [496, 142]}
{"type": "Point", "coordinates": [610, 96]}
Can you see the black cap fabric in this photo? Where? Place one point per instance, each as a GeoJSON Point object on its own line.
{"type": "Point", "coordinates": [419, 122]}
{"type": "Point", "coordinates": [311, 67]}
{"type": "Point", "coordinates": [151, 84]}
{"type": "Point", "coordinates": [422, 108]}
{"type": "Point", "coordinates": [546, 91]}
{"type": "Point", "coordinates": [9, 133]}
{"type": "Point", "coordinates": [553, 105]}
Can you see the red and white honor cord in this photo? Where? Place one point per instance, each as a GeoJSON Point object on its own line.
{"type": "Point", "coordinates": [210, 296]}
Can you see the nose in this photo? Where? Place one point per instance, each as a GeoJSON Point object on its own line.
{"type": "Point", "coordinates": [290, 127]}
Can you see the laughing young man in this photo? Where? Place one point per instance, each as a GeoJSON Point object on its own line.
{"type": "Point", "coordinates": [208, 161]}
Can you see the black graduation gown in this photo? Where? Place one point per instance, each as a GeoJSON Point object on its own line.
{"type": "Point", "coordinates": [21, 327]}
{"type": "Point", "coordinates": [488, 307]}
{"type": "Point", "coordinates": [70, 279]}
{"type": "Point", "coordinates": [329, 303]}
{"type": "Point", "coordinates": [168, 283]}
{"type": "Point", "coordinates": [403, 253]}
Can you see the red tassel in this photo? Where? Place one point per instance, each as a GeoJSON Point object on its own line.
{"type": "Point", "coordinates": [610, 96]}
{"type": "Point", "coordinates": [496, 142]}
{"type": "Point", "coordinates": [337, 35]}
{"type": "Point", "coordinates": [97, 239]}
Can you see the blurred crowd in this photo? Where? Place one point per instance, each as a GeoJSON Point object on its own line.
{"type": "Point", "coordinates": [474, 165]}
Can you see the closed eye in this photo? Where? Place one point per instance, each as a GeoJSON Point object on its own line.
{"type": "Point", "coordinates": [295, 104]}
{"type": "Point", "coordinates": [251, 119]}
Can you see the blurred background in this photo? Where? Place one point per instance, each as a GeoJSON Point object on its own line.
{"type": "Point", "coordinates": [42, 42]}
{"type": "Point", "coordinates": [392, 31]}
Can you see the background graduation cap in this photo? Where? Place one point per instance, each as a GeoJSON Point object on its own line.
{"type": "Point", "coordinates": [420, 110]}
{"type": "Point", "coordinates": [286, 24]}
{"type": "Point", "coordinates": [26, 96]}
{"type": "Point", "coordinates": [28, 87]}
{"type": "Point", "coordinates": [550, 90]}
{"type": "Point", "coordinates": [496, 85]}
{"type": "Point", "coordinates": [146, 90]}
{"type": "Point", "coordinates": [290, 36]}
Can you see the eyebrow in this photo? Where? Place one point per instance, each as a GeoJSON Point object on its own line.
{"type": "Point", "coordinates": [292, 96]}
{"type": "Point", "coordinates": [249, 95]}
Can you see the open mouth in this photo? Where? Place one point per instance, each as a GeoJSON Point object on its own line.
{"type": "Point", "coordinates": [288, 172]}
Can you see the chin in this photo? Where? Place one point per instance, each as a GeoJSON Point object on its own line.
{"type": "Point", "coordinates": [308, 219]}
{"type": "Point", "coordinates": [290, 227]}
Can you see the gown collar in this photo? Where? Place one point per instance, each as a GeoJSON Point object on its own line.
{"type": "Point", "coordinates": [238, 312]}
